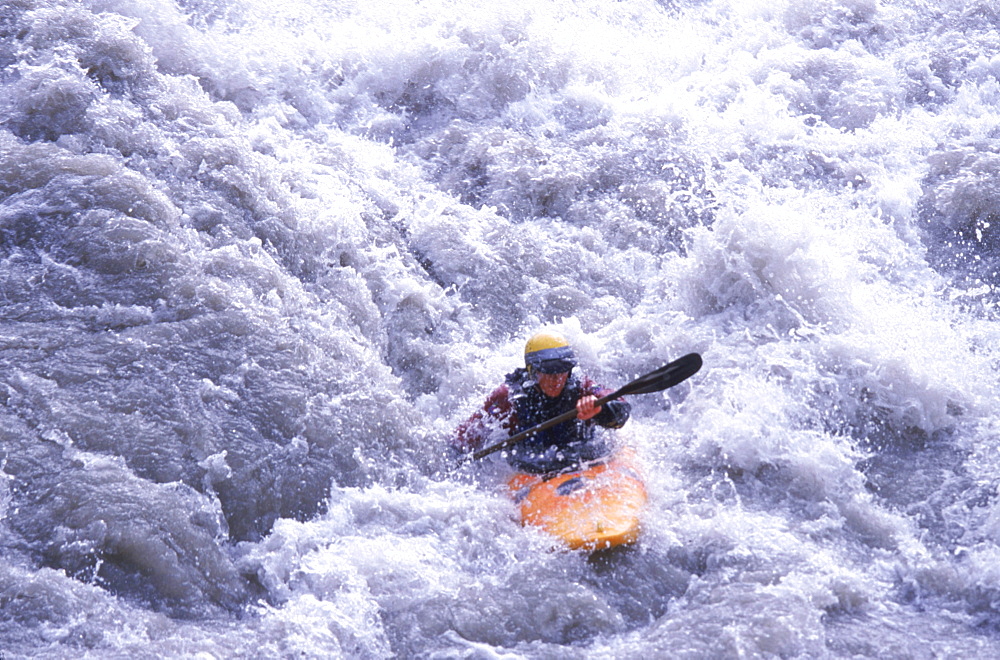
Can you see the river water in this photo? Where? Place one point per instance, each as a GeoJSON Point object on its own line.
{"type": "Point", "coordinates": [258, 259]}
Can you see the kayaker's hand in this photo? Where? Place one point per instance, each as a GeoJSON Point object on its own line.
{"type": "Point", "coordinates": [585, 408]}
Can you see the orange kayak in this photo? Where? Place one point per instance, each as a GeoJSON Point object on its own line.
{"type": "Point", "coordinates": [594, 508]}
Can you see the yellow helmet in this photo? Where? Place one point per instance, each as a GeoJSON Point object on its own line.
{"type": "Point", "coordinates": [549, 353]}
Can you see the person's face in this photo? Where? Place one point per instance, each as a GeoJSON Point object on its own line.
{"type": "Point", "coordinates": [552, 384]}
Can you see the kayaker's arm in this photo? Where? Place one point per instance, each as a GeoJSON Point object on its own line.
{"type": "Point", "coordinates": [612, 415]}
{"type": "Point", "coordinates": [496, 414]}
{"type": "Point", "coordinates": [586, 407]}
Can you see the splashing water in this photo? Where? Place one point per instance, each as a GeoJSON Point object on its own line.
{"type": "Point", "coordinates": [258, 261]}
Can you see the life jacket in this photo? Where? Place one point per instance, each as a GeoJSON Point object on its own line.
{"type": "Point", "coordinates": [557, 448]}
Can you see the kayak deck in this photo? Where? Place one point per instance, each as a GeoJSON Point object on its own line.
{"type": "Point", "coordinates": [597, 507]}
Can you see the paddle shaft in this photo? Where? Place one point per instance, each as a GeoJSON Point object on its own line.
{"type": "Point", "coordinates": [655, 381]}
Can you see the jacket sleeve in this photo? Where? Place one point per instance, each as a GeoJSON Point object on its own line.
{"type": "Point", "coordinates": [492, 422]}
{"type": "Point", "coordinates": [613, 414]}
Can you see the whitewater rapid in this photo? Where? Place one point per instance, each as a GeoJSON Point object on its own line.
{"type": "Point", "coordinates": [258, 260]}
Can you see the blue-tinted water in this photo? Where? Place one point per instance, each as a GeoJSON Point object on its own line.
{"type": "Point", "coordinates": [257, 260]}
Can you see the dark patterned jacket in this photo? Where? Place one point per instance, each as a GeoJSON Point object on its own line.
{"type": "Point", "coordinates": [519, 404]}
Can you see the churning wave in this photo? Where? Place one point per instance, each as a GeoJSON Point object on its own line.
{"type": "Point", "coordinates": [257, 261]}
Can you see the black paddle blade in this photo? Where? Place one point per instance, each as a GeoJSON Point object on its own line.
{"type": "Point", "coordinates": [666, 376]}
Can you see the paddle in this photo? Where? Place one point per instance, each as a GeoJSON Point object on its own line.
{"type": "Point", "coordinates": [655, 381]}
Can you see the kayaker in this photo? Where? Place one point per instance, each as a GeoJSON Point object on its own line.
{"type": "Point", "coordinates": [543, 389]}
